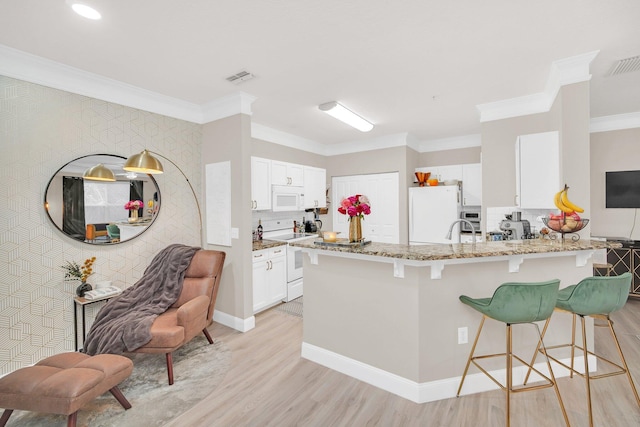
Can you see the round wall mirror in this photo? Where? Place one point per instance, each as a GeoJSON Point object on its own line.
{"type": "Point", "coordinates": [106, 209]}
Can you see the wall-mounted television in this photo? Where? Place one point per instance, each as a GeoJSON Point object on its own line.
{"type": "Point", "coordinates": [622, 189]}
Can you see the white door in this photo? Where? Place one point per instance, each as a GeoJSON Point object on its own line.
{"type": "Point", "coordinates": [383, 224]}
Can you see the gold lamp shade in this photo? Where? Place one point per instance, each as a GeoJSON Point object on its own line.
{"type": "Point", "coordinates": [99, 172]}
{"type": "Point", "coordinates": [143, 163]}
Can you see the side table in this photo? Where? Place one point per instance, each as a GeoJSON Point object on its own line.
{"type": "Point", "coordinates": [82, 302]}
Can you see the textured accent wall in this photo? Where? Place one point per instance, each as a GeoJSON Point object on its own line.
{"type": "Point", "coordinates": [41, 129]}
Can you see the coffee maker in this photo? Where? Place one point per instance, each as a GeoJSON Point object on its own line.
{"type": "Point", "coordinates": [315, 225]}
{"type": "Point", "coordinates": [515, 230]}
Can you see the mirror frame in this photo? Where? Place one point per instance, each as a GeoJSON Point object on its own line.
{"type": "Point", "coordinates": [99, 243]}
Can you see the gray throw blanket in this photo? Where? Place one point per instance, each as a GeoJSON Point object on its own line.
{"type": "Point", "coordinates": [124, 323]}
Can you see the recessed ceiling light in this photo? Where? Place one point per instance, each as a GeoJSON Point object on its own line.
{"type": "Point", "coordinates": [85, 11]}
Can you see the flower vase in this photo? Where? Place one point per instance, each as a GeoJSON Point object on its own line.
{"type": "Point", "coordinates": [355, 229]}
{"type": "Point", "coordinates": [134, 215]}
{"type": "Point", "coordinates": [83, 288]}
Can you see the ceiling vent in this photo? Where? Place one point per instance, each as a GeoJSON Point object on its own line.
{"type": "Point", "coordinates": [626, 66]}
{"type": "Point", "coordinates": [240, 77]}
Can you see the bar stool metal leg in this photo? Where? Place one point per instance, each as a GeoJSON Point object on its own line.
{"type": "Point", "coordinates": [473, 350]}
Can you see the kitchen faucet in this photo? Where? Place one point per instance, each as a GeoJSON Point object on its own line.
{"type": "Point", "coordinates": [473, 228]}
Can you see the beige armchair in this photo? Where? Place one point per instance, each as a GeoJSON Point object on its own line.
{"type": "Point", "coordinates": [192, 313]}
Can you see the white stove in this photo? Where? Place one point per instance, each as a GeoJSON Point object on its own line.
{"type": "Point", "coordinates": [294, 255]}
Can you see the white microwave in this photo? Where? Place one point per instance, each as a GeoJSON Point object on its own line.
{"type": "Point", "coordinates": [287, 198]}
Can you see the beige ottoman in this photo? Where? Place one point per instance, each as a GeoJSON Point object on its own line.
{"type": "Point", "coordinates": [63, 383]}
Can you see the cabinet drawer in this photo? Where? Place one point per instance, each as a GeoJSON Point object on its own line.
{"type": "Point", "coordinates": [261, 255]}
{"type": "Point", "coordinates": [277, 251]}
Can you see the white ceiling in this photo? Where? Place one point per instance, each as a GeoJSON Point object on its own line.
{"type": "Point", "coordinates": [413, 66]}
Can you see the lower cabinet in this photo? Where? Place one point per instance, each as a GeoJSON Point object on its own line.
{"type": "Point", "coordinates": [269, 277]}
{"type": "Point", "coordinates": [623, 260]}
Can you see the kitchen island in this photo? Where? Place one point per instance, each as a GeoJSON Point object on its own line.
{"type": "Point", "coordinates": [389, 314]}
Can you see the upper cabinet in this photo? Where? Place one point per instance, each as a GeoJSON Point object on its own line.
{"type": "Point", "coordinates": [283, 173]}
{"type": "Point", "coordinates": [447, 173]}
{"type": "Point", "coordinates": [315, 182]}
{"type": "Point", "coordinates": [470, 174]}
{"type": "Point", "coordinates": [537, 170]}
{"type": "Point", "coordinates": [260, 183]}
{"type": "Point", "coordinates": [265, 173]}
{"type": "Point", "coordinates": [472, 184]}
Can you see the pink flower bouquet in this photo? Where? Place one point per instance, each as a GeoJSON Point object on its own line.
{"type": "Point", "coordinates": [357, 205]}
{"type": "Point", "coordinates": [133, 205]}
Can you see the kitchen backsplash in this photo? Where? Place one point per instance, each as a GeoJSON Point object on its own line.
{"type": "Point", "coordinates": [269, 217]}
{"type": "Point", "coordinates": [495, 215]}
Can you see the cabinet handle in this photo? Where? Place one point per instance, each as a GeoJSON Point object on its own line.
{"type": "Point", "coordinates": [258, 256]}
{"type": "Point", "coordinates": [277, 252]}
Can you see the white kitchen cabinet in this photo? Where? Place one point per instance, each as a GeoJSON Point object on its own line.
{"type": "Point", "coordinates": [472, 184]}
{"type": "Point", "coordinates": [537, 170]}
{"type": "Point", "coordinates": [445, 173]}
{"type": "Point", "coordinates": [442, 173]}
{"type": "Point", "coordinates": [269, 277]}
{"type": "Point", "coordinates": [283, 173]}
{"type": "Point", "coordinates": [315, 184]}
{"type": "Point", "coordinates": [260, 183]}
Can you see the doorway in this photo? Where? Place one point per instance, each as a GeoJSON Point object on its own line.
{"type": "Point", "coordinates": [383, 224]}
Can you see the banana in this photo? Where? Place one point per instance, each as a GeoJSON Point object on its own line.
{"type": "Point", "coordinates": [557, 200]}
{"type": "Point", "coordinates": [564, 198]}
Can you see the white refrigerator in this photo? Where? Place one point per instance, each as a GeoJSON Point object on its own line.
{"type": "Point", "coordinates": [431, 212]}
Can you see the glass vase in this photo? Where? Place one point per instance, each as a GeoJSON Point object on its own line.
{"type": "Point", "coordinates": [355, 229]}
{"type": "Point", "coordinates": [133, 217]}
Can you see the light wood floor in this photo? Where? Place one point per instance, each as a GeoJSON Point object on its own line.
{"type": "Point", "coordinates": [270, 385]}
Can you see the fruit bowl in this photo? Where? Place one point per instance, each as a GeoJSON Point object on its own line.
{"type": "Point", "coordinates": [566, 225]}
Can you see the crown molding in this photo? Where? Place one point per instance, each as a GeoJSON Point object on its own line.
{"type": "Point", "coordinates": [454, 143]}
{"type": "Point", "coordinates": [275, 136]}
{"type": "Point", "coordinates": [227, 106]}
{"type": "Point", "coordinates": [563, 72]}
{"type": "Point", "coordinates": [378, 143]}
{"type": "Point", "coordinates": [35, 69]}
{"type": "Point", "coordinates": [616, 122]}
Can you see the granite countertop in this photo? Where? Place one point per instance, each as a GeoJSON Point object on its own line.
{"type": "Point", "coordinates": [462, 250]}
{"type": "Point", "coordinates": [266, 244]}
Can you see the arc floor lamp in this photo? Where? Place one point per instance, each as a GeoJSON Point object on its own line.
{"type": "Point", "coordinates": [145, 162]}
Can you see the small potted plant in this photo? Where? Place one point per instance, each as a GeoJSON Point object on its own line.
{"type": "Point", "coordinates": [80, 272]}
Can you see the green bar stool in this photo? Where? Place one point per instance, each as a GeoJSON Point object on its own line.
{"type": "Point", "coordinates": [515, 303]}
{"type": "Point", "coordinates": [596, 297]}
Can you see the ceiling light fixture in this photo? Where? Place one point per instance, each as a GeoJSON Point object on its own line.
{"type": "Point", "coordinates": [99, 172]}
{"type": "Point", "coordinates": [345, 115]}
{"type": "Point", "coordinates": [85, 11]}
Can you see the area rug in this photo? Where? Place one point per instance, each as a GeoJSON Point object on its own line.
{"type": "Point", "coordinates": [198, 368]}
{"type": "Point", "coordinates": [293, 307]}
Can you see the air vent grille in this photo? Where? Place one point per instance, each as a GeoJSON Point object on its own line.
{"type": "Point", "coordinates": [626, 66]}
{"type": "Point", "coordinates": [240, 77]}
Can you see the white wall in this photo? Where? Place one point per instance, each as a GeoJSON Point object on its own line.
{"type": "Point", "coordinates": [613, 151]}
{"type": "Point", "coordinates": [41, 129]}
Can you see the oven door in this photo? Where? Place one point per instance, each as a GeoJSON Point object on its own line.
{"type": "Point", "coordinates": [294, 263]}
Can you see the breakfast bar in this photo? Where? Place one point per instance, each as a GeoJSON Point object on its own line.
{"type": "Point", "coordinates": [389, 314]}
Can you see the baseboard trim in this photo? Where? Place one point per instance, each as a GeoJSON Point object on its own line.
{"type": "Point", "coordinates": [429, 391]}
{"type": "Point", "coordinates": [242, 325]}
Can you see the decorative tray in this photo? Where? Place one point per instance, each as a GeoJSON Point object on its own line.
{"type": "Point", "coordinates": [343, 243]}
